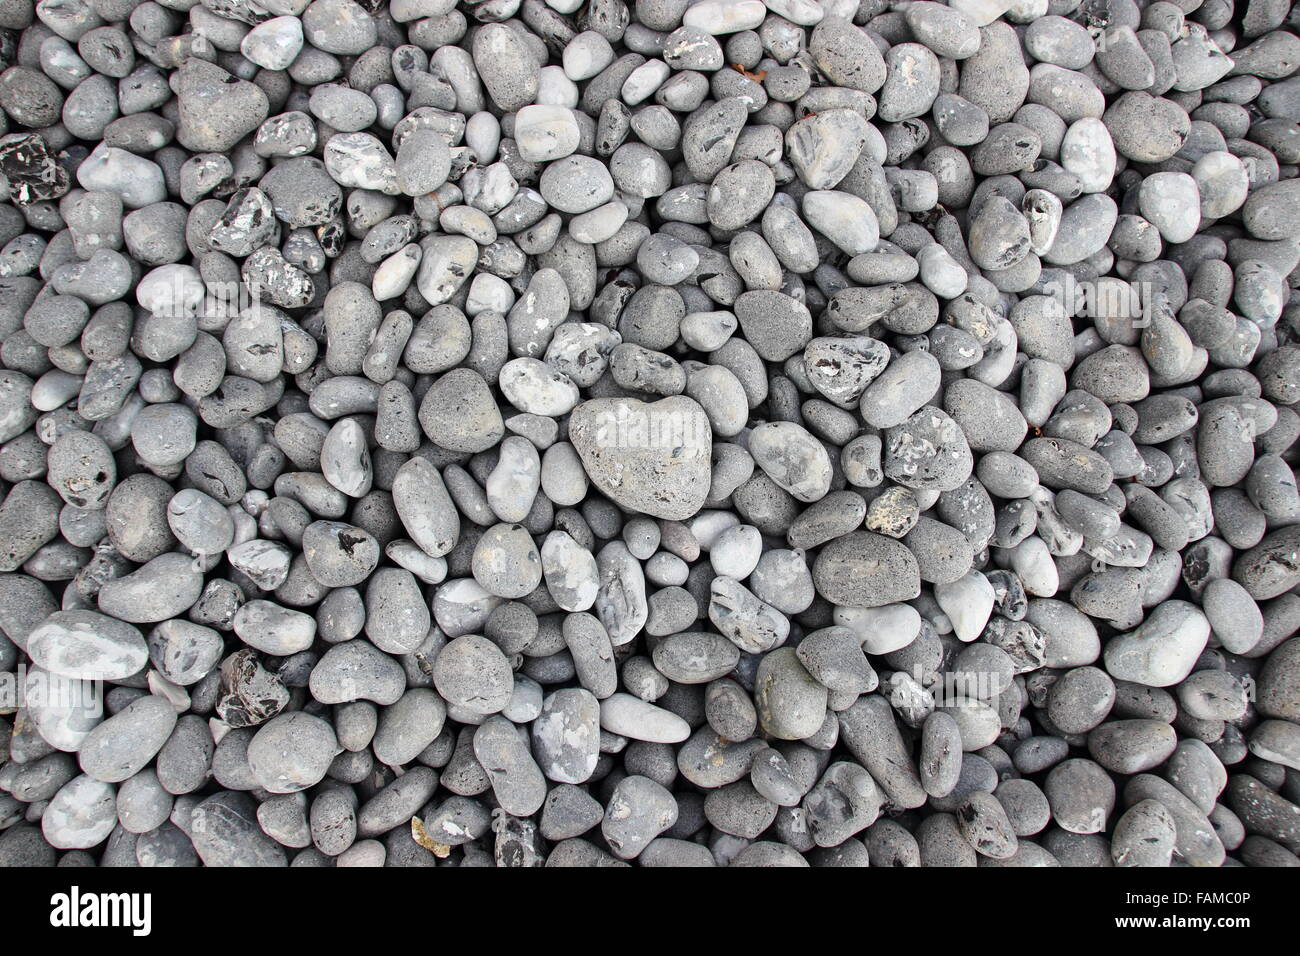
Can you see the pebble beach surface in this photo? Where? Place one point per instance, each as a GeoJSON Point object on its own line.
{"type": "Point", "coordinates": [667, 433]}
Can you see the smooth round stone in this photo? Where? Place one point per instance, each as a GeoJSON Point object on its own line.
{"type": "Point", "coordinates": [472, 673]}
{"type": "Point", "coordinates": [1132, 746]}
{"type": "Point", "coordinates": [1234, 616]}
{"type": "Point", "coordinates": [739, 194]}
{"type": "Point", "coordinates": [171, 291]}
{"type": "Point", "coordinates": [461, 607]}
{"type": "Point", "coordinates": [516, 780]}
{"type": "Point", "coordinates": [200, 522]}
{"type": "Point", "coordinates": [576, 184]}
{"type": "Point", "coordinates": [1268, 215]}
{"type": "Point", "coordinates": [600, 224]}
{"type": "Point", "coordinates": [1085, 227]}
{"type": "Point", "coordinates": [566, 735]}
{"type": "Point", "coordinates": [163, 588]}
{"type": "Point", "coordinates": [397, 612]}
{"type": "Point", "coordinates": [62, 709]}
{"type": "Point", "coordinates": [81, 467]}
{"type": "Point", "coordinates": [863, 569]}
{"type": "Point", "coordinates": [506, 65]}
{"type": "Point", "coordinates": [823, 148]}
{"type": "Point", "coordinates": [506, 562]}
{"type": "Point", "coordinates": [846, 55]}
{"type": "Point", "coordinates": [1163, 650]}
{"type": "Point", "coordinates": [834, 657]}
{"type": "Point", "coordinates": [1043, 211]}
{"type": "Point", "coordinates": [1222, 182]}
{"type": "Point", "coordinates": [638, 811]}
{"type": "Point", "coordinates": [838, 513]}
{"type": "Point", "coordinates": [907, 383]}
{"type": "Point", "coordinates": [912, 82]}
{"type": "Point", "coordinates": [882, 629]}
{"type": "Point", "coordinates": [946, 30]}
{"type": "Point", "coordinates": [792, 458]}
{"type": "Point", "coordinates": [1267, 570]}
{"type": "Point", "coordinates": [1172, 203]}
{"type": "Point", "coordinates": [1276, 741]}
{"type": "Point", "coordinates": [124, 744]}
{"type": "Point", "coordinates": [345, 459]}
{"type": "Point", "coordinates": [266, 563]}
{"type": "Point", "coordinates": [137, 180]}
{"type": "Point", "coordinates": [445, 265]}
{"type": "Point", "coordinates": [689, 48]}
{"type": "Point", "coordinates": [184, 652]}
{"type": "Point", "coordinates": [546, 133]}
{"type": "Point", "coordinates": [718, 17]}
{"type": "Point", "coordinates": [586, 55]}
{"type": "Point", "coordinates": [940, 272]}
{"type": "Point", "coordinates": [735, 552]}
{"type": "Point", "coordinates": [407, 727]}
{"type": "Point", "coordinates": [999, 235]}
{"type": "Point", "coordinates": [928, 451]}
{"type": "Point", "coordinates": [967, 602]}
{"type": "Point", "coordinates": [791, 704]}
{"type": "Point", "coordinates": [637, 719]}
{"type": "Point", "coordinates": [215, 110]}
{"type": "Point", "coordinates": [695, 657]}
{"type": "Point", "coordinates": [225, 832]}
{"type": "Point", "coordinates": [87, 645]}
{"type": "Point", "coordinates": [343, 109]}
{"type": "Point", "coordinates": [843, 368]}
{"type": "Point", "coordinates": [423, 162]}
{"type": "Point", "coordinates": [960, 121]}
{"type": "Point", "coordinates": [357, 670]}
{"type": "Point", "coordinates": [653, 458]}
{"type": "Point", "coordinates": [572, 575]}
{"type": "Point", "coordinates": [747, 622]}
{"type": "Point", "coordinates": [81, 815]}
{"type": "Point", "coordinates": [339, 554]}
{"type": "Point", "coordinates": [292, 752]}
{"type": "Point", "coordinates": [273, 44]}
{"type": "Point", "coordinates": [844, 219]}
{"type": "Point", "coordinates": [422, 502]}
{"type": "Point", "coordinates": [164, 435]}
{"type": "Point", "coordinates": [1198, 61]}
{"type": "Point", "coordinates": [459, 413]}
{"type": "Point", "coordinates": [1054, 39]}
{"type": "Point", "coordinates": [273, 629]}
{"type": "Point", "coordinates": [983, 822]}
{"type": "Point", "coordinates": [525, 701]}
{"type": "Point", "coordinates": [1146, 128]}
{"type": "Point", "coordinates": [536, 388]}
{"type": "Point", "coordinates": [1144, 836]}
{"type": "Point", "coordinates": [778, 324]}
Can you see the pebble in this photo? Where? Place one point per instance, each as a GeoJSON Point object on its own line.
{"type": "Point", "coordinates": [122, 745]}
{"type": "Point", "coordinates": [216, 110]}
{"type": "Point", "coordinates": [225, 832]}
{"type": "Point", "coordinates": [273, 44]}
{"type": "Point", "coordinates": [87, 645]}
{"type": "Point", "coordinates": [792, 458]}
{"type": "Point", "coordinates": [636, 719]}
{"type": "Point", "coordinates": [291, 752]}
{"type": "Point", "coordinates": [638, 811]}
{"type": "Point", "coordinates": [472, 673]}
{"type": "Point", "coordinates": [81, 815]}
{"type": "Point", "coordinates": [651, 457]}
{"type": "Point", "coordinates": [1161, 652]}
{"type": "Point", "coordinates": [566, 735]}
{"type": "Point", "coordinates": [516, 780]}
